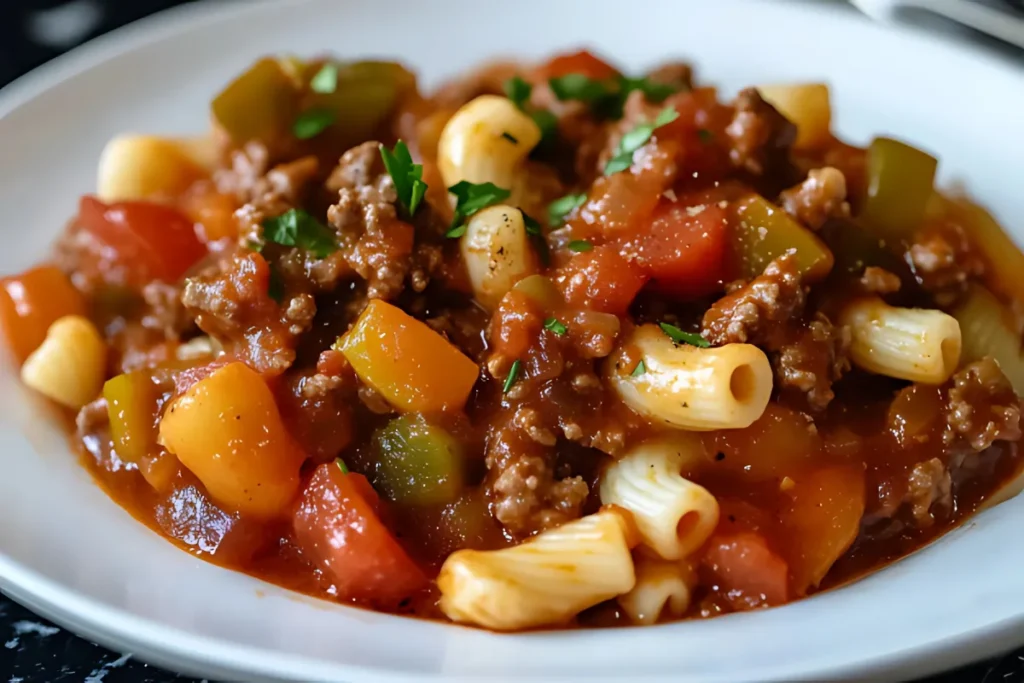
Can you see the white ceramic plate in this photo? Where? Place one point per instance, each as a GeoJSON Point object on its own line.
{"type": "Point", "coordinates": [70, 553]}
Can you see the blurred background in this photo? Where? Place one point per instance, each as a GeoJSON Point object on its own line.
{"type": "Point", "coordinates": [35, 31]}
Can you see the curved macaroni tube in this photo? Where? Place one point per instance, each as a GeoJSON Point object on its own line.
{"type": "Point", "coordinates": [136, 167]}
{"type": "Point", "coordinates": [673, 515]}
{"type": "Point", "coordinates": [486, 141]}
{"type": "Point", "coordinates": [497, 252]}
{"type": "Point", "coordinates": [662, 589]}
{"type": "Point", "coordinates": [916, 344]}
{"type": "Point", "coordinates": [545, 580]}
{"type": "Point", "coordinates": [726, 387]}
{"type": "Point", "coordinates": [69, 366]}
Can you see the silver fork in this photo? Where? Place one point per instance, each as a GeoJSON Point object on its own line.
{"type": "Point", "coordinates": [1004, 25]}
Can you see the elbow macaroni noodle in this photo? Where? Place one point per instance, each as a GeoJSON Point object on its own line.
{"type": "Point", "coordinates": [70, 364]}
{"type": "Point", "coordinates": [662, 589]}
{"type": "Point", "coordinates": [545, 580]}
{"type": "Point", "coordinates": [726, 387]}
{"type": "Point", "coordinates": [497, 252]}
{"type": "Point", "coordinates": [916, 344]}
{"type": "Point", "coordinates": [475, 144]}
{"type": "Point", "coordinates": [673, 515]}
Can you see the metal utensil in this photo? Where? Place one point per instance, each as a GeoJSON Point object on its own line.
{"type": "Point", "coordinates": [1004, 25]}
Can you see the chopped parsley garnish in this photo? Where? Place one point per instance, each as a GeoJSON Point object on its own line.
{"type": "Point", "coordinates": [407, 176]}
{"type": "Point", "coordinates": [513, 375]}
{"type": "Point", "coordinates": [533, 227]}
{"type": "Point", "coordinates": [608, 97]}
{"type": "Point", "coordinates": [579, 246]}
{"type": "Point", "coordinates": [637, 138]}
{"type": "Point", "coordinates": [341, 465]}
{"type": "Point", "coordinates": [580, 87]}
{"type": "Point", "coordinates": [518, 90]}
{"type": "Point", "coordinates": [680, 337]}
{"type": "Point", "coordinates": [705, 135]}
{"type": "Point", "coordinates": [326, 79]}
{"type": "Point", "coordinates": [555, 325]}
{"type": "Point", "coordinates": [275, 285]}
{"type": "Point", "coordinates": [311, 123]}
{"type": "Point", "coordinates": [562, 207]}
{"type": "Point", "coordinates": [470, 198]}
{"type": "Point", "coordinates": [456, 232]}
{"type": "Point", "coordinates": [511, 138]}
{"type": "Point", "coordinates": [638, 370]}
{"type": "Point", "coordinates": [296, 228]}
{"type": "Point", "coordinates": [547, 122]}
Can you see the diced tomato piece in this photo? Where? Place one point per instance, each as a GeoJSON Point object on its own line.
{"type": "Point", "coordinates": [515, 325]}
{"type": "Point", "coordinates": [213, 213]}
{"type": "Point", "coordinates": [682, 248]}
{"type": "Point", "coordinates": [749, 574]}
{"type": "Point", "coordinates": [582, 62]}
{"type": "Point", "coordinates": [338, 528]}
{"type": "Point", "coordinates": [601, 280]}
{"type": "Point", "coordinates": [31, 302]}
{"type": "Point", "coordinates": [152, 241]}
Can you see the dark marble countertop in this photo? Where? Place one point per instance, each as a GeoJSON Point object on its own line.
{"type": "Point", "coordinates": [34, 650]}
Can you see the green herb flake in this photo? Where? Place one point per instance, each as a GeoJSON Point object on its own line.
{"type": "Point", "coordinates": [296, 228]}
{"type": "Point", "coordinates": [705, 135]}
{"type": "Point", "coordinates": [513, 375]}
{"type": "Point", "coordinates": [638, 370]}
{"type": "Point", "coordinates": [275, 285]}
{"type": "Point", "coordinates": [562, 207]}
{"type": "Point", "coordinates": [548, 124]}
{"type": "Point", "coordinates": [311, 123]}
{"type": "Point", "coordinates": [518, 90]}
{"type": "Point", "coordinates": [555, 325]}
{"type": "Point", "coordinates": [341, 465]}
{"type": "Point", "coordinates": [533, 227]}
{"type": "Point", "coordinates": [511, 138]}
{"type": "Point", "coordinates": [407, 176]}
{"type": "Point", "coordinates": [456, 232]}
{"type": "Point", "coordinates": [680, 337]}
{"type": "Point", "coordinates": [580, 246]}
{"type": "Point", "coordinates": [637, 138]}
{"type": "Point", "coordinates": [580, 87]}
{"type": "Point", "coordinates": [653, 91]}
{"type": "Point", "coordinates": [472, 197]}
{"type": "Point", "coordinates": [326, 80]}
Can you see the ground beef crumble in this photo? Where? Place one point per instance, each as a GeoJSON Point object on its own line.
{"type": "Point", "coordinates": [929, 485]}
{"type": "Point", "coordinates": [983, 407]}
{"type": "Point", "coordinates": [820, 197]}
{"type": "Point", "coordinates": [944, 262]}
{"type": "Point", "coordinates": [760, 137]}
{"type": "Point", "coordinates": [526, 496]}
{"type": "Point", "coordinates": [879, 281]}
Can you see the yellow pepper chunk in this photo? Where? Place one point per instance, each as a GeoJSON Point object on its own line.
{"type": "Point", "coordinates": [413, 367]}
{"type": "Point", "coordinates": [227, 430]}
{"type": "Point", "coordinates": [132, 407]}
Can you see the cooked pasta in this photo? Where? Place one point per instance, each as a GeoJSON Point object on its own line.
{"type": "Point", "coordinates": [486, 141]}
{"type": "Point", "coordinates": [136, 167]}
{"type": "Point", "coordinates": [663, 589]}
{"type": "Point", "coordinates": [497, 252]}
{"type": "Point", "coordinates": [673, 515]}
{"type": "Point", "coordinates": [546, 580]}
{"type": "Point", "coordinates": [694, 388]}
{"type": "Point", "coordinates": [916, 344]}
{"type": "Point", "coordinates": [70, 364]}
